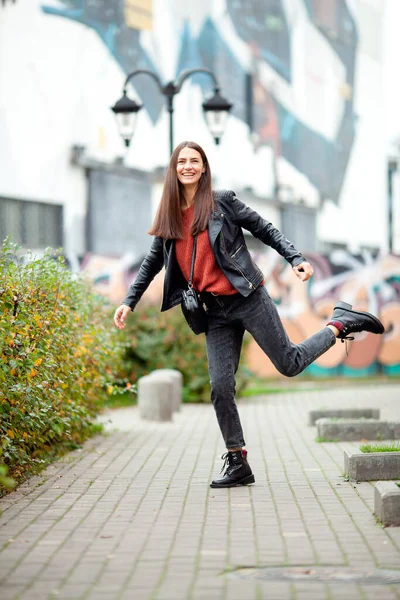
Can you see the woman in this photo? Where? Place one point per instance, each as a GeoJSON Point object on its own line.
{"type": "Point", "coordinates": [231, 286]}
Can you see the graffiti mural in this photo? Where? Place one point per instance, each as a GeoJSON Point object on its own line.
{"type": "Point", "coordinates": [263, 26]}
{"type": "Point", "coordinates": [111, 277]}
{"type": "Point", "coordinates": [369, 283]}
{"type": "Point", "coordinates": [269, 34]}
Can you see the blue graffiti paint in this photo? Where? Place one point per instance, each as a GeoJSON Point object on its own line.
{"type": "Point", "coordinates": [287, 127]}
{"type": "Point", "coordinates": [335, 22]}
{"type": "Point", "coordinates": [263, 24]}
{"type": "Point", "coordinates": [108, 21]}
{"type": "Point", "coordinates": [190, 58]}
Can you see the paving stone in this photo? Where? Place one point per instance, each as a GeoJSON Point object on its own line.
{"type": "Point", "coordinates": [149, 516]}
{"type": "Point", "coordinates": [12, 592]}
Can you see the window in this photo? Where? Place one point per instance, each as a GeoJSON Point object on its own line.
{"type": "Point", "coordinates": [299, 225]}
{"type": "Point", "coordinates": [119, 213]}
{"type": "Point", "coordinates": [31, 224]}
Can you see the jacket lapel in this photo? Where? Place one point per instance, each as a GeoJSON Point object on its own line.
{"type": "Point", "coordinates": [215, 224]}
{"type": "Point", "coordinates": [168, 245]}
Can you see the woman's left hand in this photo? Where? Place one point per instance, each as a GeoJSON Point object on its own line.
{"type": "Point", "coordinates": [303, 271]}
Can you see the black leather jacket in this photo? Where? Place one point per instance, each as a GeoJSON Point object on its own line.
{"type": "Point", "coordinates": [229, 247]}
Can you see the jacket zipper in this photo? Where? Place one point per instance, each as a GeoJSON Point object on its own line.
{"type": "Point", "coordinates": [234, 254]}
{"type": "Point", "coordinates": [251, 286]}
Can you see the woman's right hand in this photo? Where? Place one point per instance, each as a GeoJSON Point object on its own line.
{"type": "Point", "coordinates": [120, 316]}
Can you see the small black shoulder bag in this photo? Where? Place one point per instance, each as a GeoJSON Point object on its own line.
{"type": "Point", "coordinates": [192, 306]}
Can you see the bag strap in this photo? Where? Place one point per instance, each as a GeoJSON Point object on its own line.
{"type": "Point", "coordinates": [193, 259]}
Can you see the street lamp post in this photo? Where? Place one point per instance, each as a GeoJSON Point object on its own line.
{"type": "Point", "coordinates": [216, 109]}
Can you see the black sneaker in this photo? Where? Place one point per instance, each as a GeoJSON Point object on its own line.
{"type": "Point", "coordinates": [237, 472]}
{"type": "Point", "coordinates": [351, 321]}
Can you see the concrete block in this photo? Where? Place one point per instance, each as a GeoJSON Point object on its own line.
{"type": "Point", "coordinates": [177, 384]}
{"type": "Point", "coordinates": [372, 466]}
{"type": "Point", "coordinates": [343, 413]}
{"type": "Point", "coordinates": [387, 502]}
{"type": "Point", "coordinates": [350, 430]}
{"type": "Point", "coordinates": [155, 398]}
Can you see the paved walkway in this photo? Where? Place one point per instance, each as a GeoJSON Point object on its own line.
{"type": "Point", "coordinates": [132, 517]}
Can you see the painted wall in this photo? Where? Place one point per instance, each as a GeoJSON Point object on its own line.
{"type": "Point", "coordinates": [318, 102]}
{"type": "Point", "coordinates": [367, 282]}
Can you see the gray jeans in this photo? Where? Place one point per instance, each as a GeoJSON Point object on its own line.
{"type": "Point", "coordinates": [229, 317]}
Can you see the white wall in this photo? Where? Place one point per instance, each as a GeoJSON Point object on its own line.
{"type": "Point", "coordinates": [58, 81]}
{"type": "Point", "coordinates": [391, 92]}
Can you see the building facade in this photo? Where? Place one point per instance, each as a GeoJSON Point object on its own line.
{"type": "Point", "coordinates": [305, 135]}
{"type": "Point", "coordinates": [306, 143]}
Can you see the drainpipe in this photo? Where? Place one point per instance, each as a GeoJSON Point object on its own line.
{"type": "Point", "coordinates": [391, 169]}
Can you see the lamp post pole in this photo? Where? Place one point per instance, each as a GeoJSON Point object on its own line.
{"type": "Point", "coordinates": [216, 108]}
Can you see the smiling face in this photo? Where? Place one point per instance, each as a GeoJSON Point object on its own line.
{"type": "Point", "coordinates": [189, 167]}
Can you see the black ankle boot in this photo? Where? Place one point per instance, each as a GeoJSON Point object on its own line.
{"type": "Point", "coordinates": [237, 470]}
{"type": "Point", "coordinates": [350, 321]}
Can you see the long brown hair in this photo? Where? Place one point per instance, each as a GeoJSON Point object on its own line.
{"type": "Point", "coordinates": [168, 221]}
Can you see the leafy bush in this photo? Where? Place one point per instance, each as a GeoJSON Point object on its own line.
{"type": "Point", "coordinates": [58, 354]}
{"type": "Point", "coordinates": [156, 340]}
{"type": "Point", "coordinates": [5, 481]}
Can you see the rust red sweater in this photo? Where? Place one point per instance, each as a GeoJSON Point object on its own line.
{"type": "Point", "coordinates": [207, 277]}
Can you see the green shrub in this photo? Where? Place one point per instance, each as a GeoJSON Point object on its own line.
{"type": "Point", "coordinates": [58, 353]}
{"type": "Point", "coordinates": [6, 483]}
{"type": "Point", "coordinates": [156, 340]}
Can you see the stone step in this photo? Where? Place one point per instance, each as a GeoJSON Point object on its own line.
{"type": "Point", "coordinates": [387, 502]}
{"type": "Point", "coordinates": [346, 413]}
{"type": "Point", "coordinates": [372, 466]}
{"type": "Point", "coordinates": [351, 430]}
{"type": "Point", "coordinates": [177, 384]}
{"type": "Point", "coordinates": [155, 398]}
